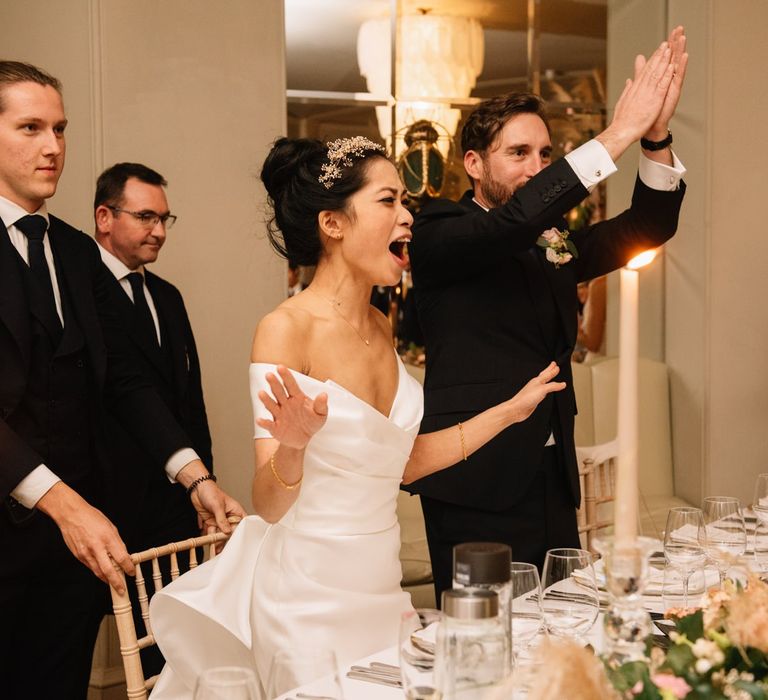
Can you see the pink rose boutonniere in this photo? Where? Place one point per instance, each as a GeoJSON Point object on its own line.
{"type": "Point", "coordinates": [559, 250]}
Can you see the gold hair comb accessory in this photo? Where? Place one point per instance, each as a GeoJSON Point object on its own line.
{"type": "Point", "coordinates": [340, 154]}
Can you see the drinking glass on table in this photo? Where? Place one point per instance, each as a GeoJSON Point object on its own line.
{"type": "Point", "coordinates": [227, 683]}
{"type": "Point", "coordinates": [684, 544]}
{"type": "Point", "coordinates": [760, 508]}
{"type": "Point", "coordinates": [525, 609]}
{"type": "Point", "coordinates": [570, 601]}
{"type": "Point", "coordinates": [293, 668]}
{"type": "Point", "coordinates": [681, 588]}
{"type": "Point", "coordinates": [760, 501]}
{"type": "Point", "coordinates": [416, 653]}
{"type": "Point", "coordinates": [726, 535]}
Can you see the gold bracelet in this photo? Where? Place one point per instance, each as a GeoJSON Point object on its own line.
{"type": "Point", "coordinates": [282, 483]}
{"type": "Point", "coordinates": [463, 444]}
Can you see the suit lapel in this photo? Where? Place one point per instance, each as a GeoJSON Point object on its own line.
{"type": "Point", "coordinates": [558, 282]}
{"type": "Point", "coordinates": [540, 290]}
{"type": "Point", "coordinates": [78, 283]}
{"type": "Point", "coordinates": [561, 285]}
{"type": "Point", "coordinates": [13, 314]}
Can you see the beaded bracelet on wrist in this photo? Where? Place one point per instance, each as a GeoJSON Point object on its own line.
{"type": "Point", "coordinates": [200, 479]}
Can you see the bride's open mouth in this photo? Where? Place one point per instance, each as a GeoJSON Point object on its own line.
{"type": "Point", "coordinates": [399, 250]}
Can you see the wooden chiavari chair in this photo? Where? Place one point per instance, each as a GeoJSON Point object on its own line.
{"type": "Point", "coordinates": [597, 475]}
{"type": "Point", "coordinates": [130, 643]}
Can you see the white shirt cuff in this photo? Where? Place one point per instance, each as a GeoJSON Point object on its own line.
{"type": "Point", "coordinates": [178, 461]}
{"type": "Point", "coordinates": [34, 486]}
{"type": "Point", "coordinates": [659, 176]}
{"type": "Point", "coordinates": [591, 163]}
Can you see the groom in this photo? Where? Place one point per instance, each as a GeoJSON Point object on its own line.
{"type": "Point", "coordinates": [496, 307]}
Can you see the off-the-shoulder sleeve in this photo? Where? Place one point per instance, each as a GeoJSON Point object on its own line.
{"type": "Point", "coordinates": [257, 373]}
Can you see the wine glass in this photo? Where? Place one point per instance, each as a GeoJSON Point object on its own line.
{"type": "Point", "coordinates": [227, 683]}
{"type": "Point", "coordinates": [416, 652]}
{"type": "Point", "coordinates": [761, 548]}
{"type": "Point", "coordinates": [683, 543]}
{"type": "Point", "coordinates": [726, 535]}
{"type": "Point", "coordinates": [760, 501]}
{"type": "Point", "coordinates": [679, 586]}
{"type": "Point", "coordinates": [299, 667]}
{"type": "Point", "coordinates": [525, 609]}
{"type": "Point", "coordinates": [570, 601]}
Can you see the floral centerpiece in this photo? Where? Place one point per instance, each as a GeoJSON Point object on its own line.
{"type": "Point", "coordinates": [718, 652]}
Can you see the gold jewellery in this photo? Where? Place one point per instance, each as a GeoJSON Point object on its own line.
{"type": "Point", "coordinates": [341, 315]}
{"type": "Point", "coordinates": [463, 444]}
{"type": "Point", "coordinates": [282, 483]}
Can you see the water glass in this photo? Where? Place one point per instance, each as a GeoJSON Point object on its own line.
{"type": "Point", "coordinates": [416, 652]}
{"type": "Point", "coordinates": [684, 540]}
{"type": "Point", "coordinates": [570, 603]}
{"type": "Point", "coordinates": [681, 588]}
{"type": "Point", "coordinates": [525, 610]}
{"type": "Point", "coordinates": [294, 668]}
{"type": "Point", "coordinates": [227, 683]}
{"type": "Point", "coordinates": [726, 534]}
{"type": "Point", "coordinates": [760, 501]}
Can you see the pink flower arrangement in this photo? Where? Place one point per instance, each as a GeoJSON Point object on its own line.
{"type": "Point", "coordinates": [558, 249]}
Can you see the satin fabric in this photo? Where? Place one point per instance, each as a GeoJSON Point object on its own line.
{"type": "Point", "coordinates": [327, 575]}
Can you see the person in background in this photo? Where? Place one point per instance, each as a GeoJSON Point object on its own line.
{"type": "Point", "coordinates": [591, 335]}
{"type": "Point", "coordinates": [132, 217]}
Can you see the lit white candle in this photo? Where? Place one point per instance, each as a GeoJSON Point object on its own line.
{"type": "Point", "coordinates": [626, 504]}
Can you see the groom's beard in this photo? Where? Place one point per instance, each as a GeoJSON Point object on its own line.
{"type": "Point", "coordinates": [494, 193]}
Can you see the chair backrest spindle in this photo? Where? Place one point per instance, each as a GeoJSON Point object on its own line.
{"type": "Point", "coordinates": [136, 685]}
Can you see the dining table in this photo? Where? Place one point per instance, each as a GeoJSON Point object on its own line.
{"type": "Point", "coordinates": [355, 688]}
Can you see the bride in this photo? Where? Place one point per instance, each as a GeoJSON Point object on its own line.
{"type": "Point", "coordinates": [337, 420]}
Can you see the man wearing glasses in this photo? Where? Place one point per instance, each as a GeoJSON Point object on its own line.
{"type": "Point", "coordinates": [132, 218]}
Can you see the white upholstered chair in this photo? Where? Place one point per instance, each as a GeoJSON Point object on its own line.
{"type": "Point", "coordinates": [596, 387]}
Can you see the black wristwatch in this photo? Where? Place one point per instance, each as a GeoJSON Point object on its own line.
{"type": "Point", "coordinates": [656, 145]}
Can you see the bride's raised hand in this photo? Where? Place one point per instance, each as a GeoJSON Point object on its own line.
{"type": "Point", "coordinates": [295, 416]}
{"type": "Point", "coordinates": [533, 393]}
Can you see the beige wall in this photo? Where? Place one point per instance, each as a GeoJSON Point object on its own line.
{"type": "Point", "coordinates": [705, 314]}
{"type": "Point", "coordinates": [195, 89]}
{"type": "Point", "coordinates": [717, 326]}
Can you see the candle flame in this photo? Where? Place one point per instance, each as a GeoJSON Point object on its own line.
{"type": "Point", "coordinates": [642, 259]}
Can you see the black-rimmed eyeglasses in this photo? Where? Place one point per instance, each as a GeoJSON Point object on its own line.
{"type": "Point", "coordinates": [147, 218]}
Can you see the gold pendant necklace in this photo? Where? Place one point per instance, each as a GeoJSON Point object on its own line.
{"type": "Point", "coordinates": [334, 304]}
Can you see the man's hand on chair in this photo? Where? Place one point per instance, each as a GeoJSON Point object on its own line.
{"type": "Point", "coordinates": [88, 533]}
{"type": "Point", "coordinates": [213, 505]}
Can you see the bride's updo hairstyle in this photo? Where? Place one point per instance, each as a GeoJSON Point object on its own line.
{"type": "Point", "coordinates": [304, 177]}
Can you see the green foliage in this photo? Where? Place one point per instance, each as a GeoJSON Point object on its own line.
{"type": "Point", "coordinates": [692, 626]}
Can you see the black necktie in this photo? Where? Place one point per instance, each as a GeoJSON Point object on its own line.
{"type": "Point", "coordinates": [34, 227]}
{"type": "Point", "coordinates": [141, 308]}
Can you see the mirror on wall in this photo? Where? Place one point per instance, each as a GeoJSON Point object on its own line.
{"type": "Point", "coordinates": [447, 55]}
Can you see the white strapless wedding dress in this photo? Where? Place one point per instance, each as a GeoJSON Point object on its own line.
{"type": "Point", "coordinates": [326, 576]}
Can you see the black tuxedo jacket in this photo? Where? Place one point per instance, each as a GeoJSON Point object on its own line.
{"type": "Point", "coordinates": [114, 380]}
{"type": "Point", "coordinates": [174, 368]}
{"type": "Point", "coordinates": [495, 312]}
